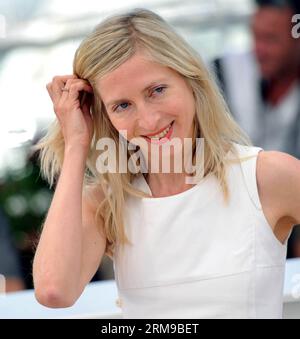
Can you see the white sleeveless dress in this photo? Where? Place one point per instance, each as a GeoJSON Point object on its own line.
{"type": "Point", "coordinates": [195, 257]}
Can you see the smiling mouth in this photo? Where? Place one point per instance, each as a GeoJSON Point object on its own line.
{"type": "Point", "coordinates": [159, 140]}
{"type": "Point", "coordinates": [160, 135]}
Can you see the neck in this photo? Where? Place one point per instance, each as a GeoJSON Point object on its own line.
{"type": "Point", "coordinates": [166, 184]}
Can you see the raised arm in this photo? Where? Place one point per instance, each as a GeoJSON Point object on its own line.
{"type": "Point", "coordinates": [71, 245]}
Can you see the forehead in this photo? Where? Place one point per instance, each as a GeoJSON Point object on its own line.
{"type": "Point", "coordinates": [133, 74]}
{"type": "Point", "coordinates": [272, 18]}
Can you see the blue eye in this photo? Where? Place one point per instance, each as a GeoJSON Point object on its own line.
{"type": "Point", "coordinates": [123, 106]}
{"type": "Point", "coordinates": [159, 89]}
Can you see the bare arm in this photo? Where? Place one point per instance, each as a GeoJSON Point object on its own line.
{"type": "Point", "coordinates": [278, 176]}
{"type": "Point", "coordinates": [71, 246]}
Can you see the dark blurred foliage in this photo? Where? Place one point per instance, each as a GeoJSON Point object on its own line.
{"type": "Point", "coordinates": [25, 198]}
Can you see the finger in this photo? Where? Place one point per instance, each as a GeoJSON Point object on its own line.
{"type": "Point", "coordinates": [50, 90]}
{"type": "Point", "coordinates": [74, 88]}
{"type": "Point", "coordinates": [58, 82]}
{"type": "Point", "coordinates": [72, 82]}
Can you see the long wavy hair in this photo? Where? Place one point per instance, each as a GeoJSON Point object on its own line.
{"type": "Point", "coordinates": [110, 44]}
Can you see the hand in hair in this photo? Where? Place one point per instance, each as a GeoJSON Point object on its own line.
{"type": "Point", "coordinates": [73, 109]}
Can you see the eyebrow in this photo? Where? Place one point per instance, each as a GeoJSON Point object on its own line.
{"type": "Point", "coordinates": [153, 83]}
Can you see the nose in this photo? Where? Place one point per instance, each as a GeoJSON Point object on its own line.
{"type": "Point", "coordinates": [148, 119]}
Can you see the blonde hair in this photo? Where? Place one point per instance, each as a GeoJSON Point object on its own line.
{"type": "Point", "coordinates": [110, 44]}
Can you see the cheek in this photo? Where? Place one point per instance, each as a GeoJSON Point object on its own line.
{"type": "Point", "coordinates": [182, 108]}
{"type": "Point", "coordinates": [281, 49]}
{"type": "Point", "coordinates": [122, 126]}
{"type": "Point", "coordinates": [288, 50]}
{"type": "Point", "coordinates": [278, 58]}
{"type": "Point", "coordinates": [187, 108]}
{"type": "Point", "coordinates": [117, 123]}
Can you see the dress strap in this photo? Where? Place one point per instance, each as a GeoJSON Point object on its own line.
{"type": "Point", "coordinates": [249, 168]}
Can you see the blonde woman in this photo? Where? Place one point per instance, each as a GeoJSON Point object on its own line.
{"type": "Point", "coordinates": [209, 249]}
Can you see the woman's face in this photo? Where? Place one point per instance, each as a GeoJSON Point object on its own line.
{"type": "Point", "coordinates": [145, 98]}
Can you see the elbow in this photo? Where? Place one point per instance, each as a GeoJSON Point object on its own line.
{"type": "Point", "coordinates": [53, 297]}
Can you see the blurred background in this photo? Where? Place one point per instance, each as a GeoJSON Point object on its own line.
{"type": "Point", "coordinates": [38, 39]}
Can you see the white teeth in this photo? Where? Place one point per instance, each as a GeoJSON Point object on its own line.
{"type": "Point", "coordinates": [162, 134]}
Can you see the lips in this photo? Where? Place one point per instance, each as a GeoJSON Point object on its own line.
{"type": "Point", "coordinates": [160, 131]}
{"type": "Point", "coordinates": [161, 140]}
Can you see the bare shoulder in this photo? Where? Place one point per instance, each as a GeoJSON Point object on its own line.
{"type": "Point", "coordinates": [278, 180]}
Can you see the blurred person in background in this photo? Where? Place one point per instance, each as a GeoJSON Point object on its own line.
{"type": "Point", "coordinates": [9, 259]}
{"type": "Point", "coordinates": [262, 87]}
